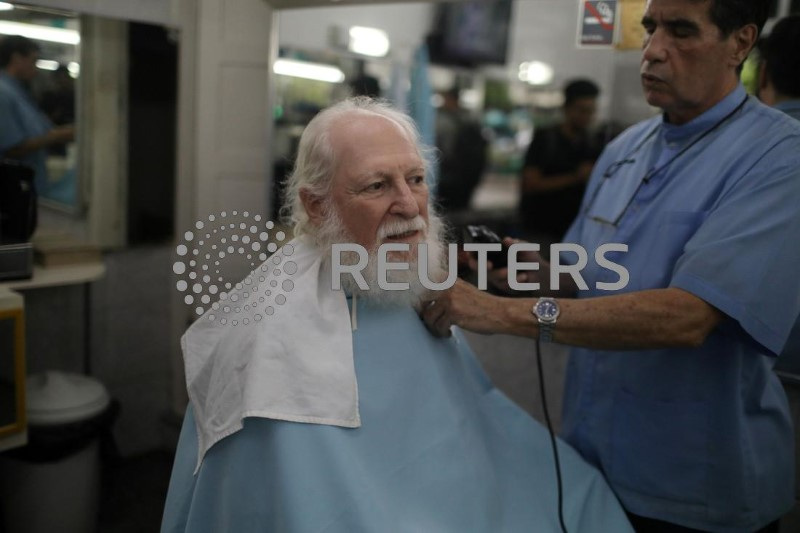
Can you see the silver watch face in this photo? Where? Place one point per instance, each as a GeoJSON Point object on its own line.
{"type": "Point", "coordinates": [547, 310]}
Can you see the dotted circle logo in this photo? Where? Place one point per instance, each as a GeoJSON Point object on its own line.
{"type": "Point", "coordinates": [229, 246]}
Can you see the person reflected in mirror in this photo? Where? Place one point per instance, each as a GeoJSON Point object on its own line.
{"type": "Point", "coordinates": [25, 131]}
{"type": "Point", "coordinates": [58, 103]}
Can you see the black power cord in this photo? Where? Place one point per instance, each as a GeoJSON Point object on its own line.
{"type": "Point", "coordinates": [552, 438]}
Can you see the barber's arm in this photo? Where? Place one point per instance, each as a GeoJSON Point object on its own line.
{"type": "Point", "coordinates": [57, 135]}
{"type": "Point", "coordinates": [657, 318]}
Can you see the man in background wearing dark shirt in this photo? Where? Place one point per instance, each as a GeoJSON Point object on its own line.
{"type": "Point", "coordinates": [557, 165]}
{"type": "Point", "coordinates": [779, 72]}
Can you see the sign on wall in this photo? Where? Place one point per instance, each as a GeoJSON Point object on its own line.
{"type": "Point", "coordinates": [597, 23]}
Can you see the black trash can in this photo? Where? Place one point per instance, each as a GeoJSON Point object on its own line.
{"type": "Point", "coordinates": [53, 483]}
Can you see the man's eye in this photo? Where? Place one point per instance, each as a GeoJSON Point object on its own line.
{"type": "Point", "coordinates": [376, 186]}
{"type": "Point", "coordinates": [417, 180]}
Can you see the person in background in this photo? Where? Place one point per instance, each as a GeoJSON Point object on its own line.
{"type": "Point", "coordinates": [364, 84]}
{"type": "Point", "coordinates": [25, 132]}
{"type": "Point", "coordinates": [557, 165]}
{"type": "Point", "coordinates": [58, 103]}
{"type": "Point", "coordinates": [779, 70]}
{"type": "Point", "coordinates": [462, 154]}
{"type": "Point", "coordinates": [670, 388]}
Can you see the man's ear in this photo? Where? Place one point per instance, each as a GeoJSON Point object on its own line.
{"type": "Point", "coordinates": [314, 206]}
{"type": "Point", "coordinates": [744, 39]}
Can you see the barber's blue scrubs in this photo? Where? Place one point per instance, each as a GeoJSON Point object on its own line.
{"type": "Point", "coordinates": [21, 119]}
{"type": "Point", "coordinates": [790, 357]}
{"type": "Point", "coordinates": [439, 450]}
{"type": "Point", "coordinates": [700, 436]}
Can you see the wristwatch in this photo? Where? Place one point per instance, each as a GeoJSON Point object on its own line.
{"type": "Point", "coordinates": [546, 311]}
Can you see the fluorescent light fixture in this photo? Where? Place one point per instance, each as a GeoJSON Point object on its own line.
{"type": "Point", "coordinates": [5, 6]}
{"type": "Point", "coordinates": [46, 64]}
{"type": "Point", "coordinates": [536, 73]}
{"type": "Point", "coordinates": [368, 41]}
{"type": "Point", "coordinates": [470, 98]}
{"type": "Point", "coordinates": [74, 69]}
{"type": "Point", "coordinates": [311, 71]}
{"type": "Point", "coordinates": [40, 33]}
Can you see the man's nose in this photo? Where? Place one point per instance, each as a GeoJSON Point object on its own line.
{"type": "Point", "coordinates": [404, 203]}
{"type": "Point", "coordinates": [654, 47]}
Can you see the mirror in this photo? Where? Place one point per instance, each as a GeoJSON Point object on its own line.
{"type": "Point", "coordinates": [50, 91]}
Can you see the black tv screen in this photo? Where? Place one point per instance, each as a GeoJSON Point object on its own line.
{"type": "Point", "coordinates": [470, 33]}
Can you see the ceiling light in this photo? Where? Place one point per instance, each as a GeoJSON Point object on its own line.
{"type": "Point", "coordinates": [73, 68]}
{"type": "Point", "coordinates": [40, 33]}
{"type": "Point", "coordinates": [536, 73]}
{"type": "Point", "coordinates": [46, 64]}
{"type": "Point", "coordinates": [368, 41]}
{"type": "Point", "coordinates": [311, 71]}
{"type": "Point", "coordinates": [5, 6]}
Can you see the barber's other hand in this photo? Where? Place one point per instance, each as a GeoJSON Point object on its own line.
{"type": "Point", "coordinates": [465, 306]}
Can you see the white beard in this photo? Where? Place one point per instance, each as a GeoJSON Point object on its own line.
{"type": "Point", "coordinates": [332, 232]}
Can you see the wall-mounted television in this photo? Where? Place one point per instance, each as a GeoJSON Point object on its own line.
{"type": "Point", "coordinates": [470, 34]}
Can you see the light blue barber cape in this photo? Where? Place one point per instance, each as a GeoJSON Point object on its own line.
{"type": "Point", "coordinates": [21, 119]}
{"type": "Point", "coordinates": [697, 436]}
{"type": "Point", "coordinates": [439, 450]}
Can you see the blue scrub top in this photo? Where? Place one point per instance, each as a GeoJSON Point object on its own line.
{"type": "Point", "coordinates": [697, 436]}
{"type": "Point", "coordinates": [790, 107]}
{"type": "Point", "coordinates": [21, 119]}
{"type": "Point", "coordinates": [439, 450]}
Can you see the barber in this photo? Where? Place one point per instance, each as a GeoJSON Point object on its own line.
{"type": "Point", "coordinates": [669, 388]}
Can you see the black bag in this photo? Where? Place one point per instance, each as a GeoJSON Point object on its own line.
{"type": "Point", "coordinates": [17, 202]}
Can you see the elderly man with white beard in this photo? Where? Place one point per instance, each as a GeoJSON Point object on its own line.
{"type": "Point", "coordinates": [340, 412]}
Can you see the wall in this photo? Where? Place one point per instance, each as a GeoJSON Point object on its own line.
{"type": "Point", "coordinates": [154, 11]}
{"type": "Point", "coordinates": [405, 24]}
{"type": "Point", "coordinates": [544, 30]}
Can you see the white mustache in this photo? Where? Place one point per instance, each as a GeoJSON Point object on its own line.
{"type": "Point", "coordinates": [396, 227]}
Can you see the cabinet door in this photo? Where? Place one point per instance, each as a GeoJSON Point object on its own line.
{"type": "Point", "coordinates": [12, 372]}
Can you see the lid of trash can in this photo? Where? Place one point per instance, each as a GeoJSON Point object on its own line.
{"type": "Point", "coordinates": [56, 397]}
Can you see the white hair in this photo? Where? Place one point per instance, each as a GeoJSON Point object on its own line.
{"type": "Point", "coordinates": [332, 231]}
{"type": "Point", "coordinates": [316, 160]}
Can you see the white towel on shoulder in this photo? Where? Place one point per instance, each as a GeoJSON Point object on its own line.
{"type": "Point", "coordinates": [295, 364]}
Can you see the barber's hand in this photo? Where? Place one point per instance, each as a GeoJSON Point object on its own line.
{"type": "Point", "coordinates": [498, 277]}
{"type": "Point", "coordinates": [61, 134]}
{"type": "Point", "coordinates": [465, 306]}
